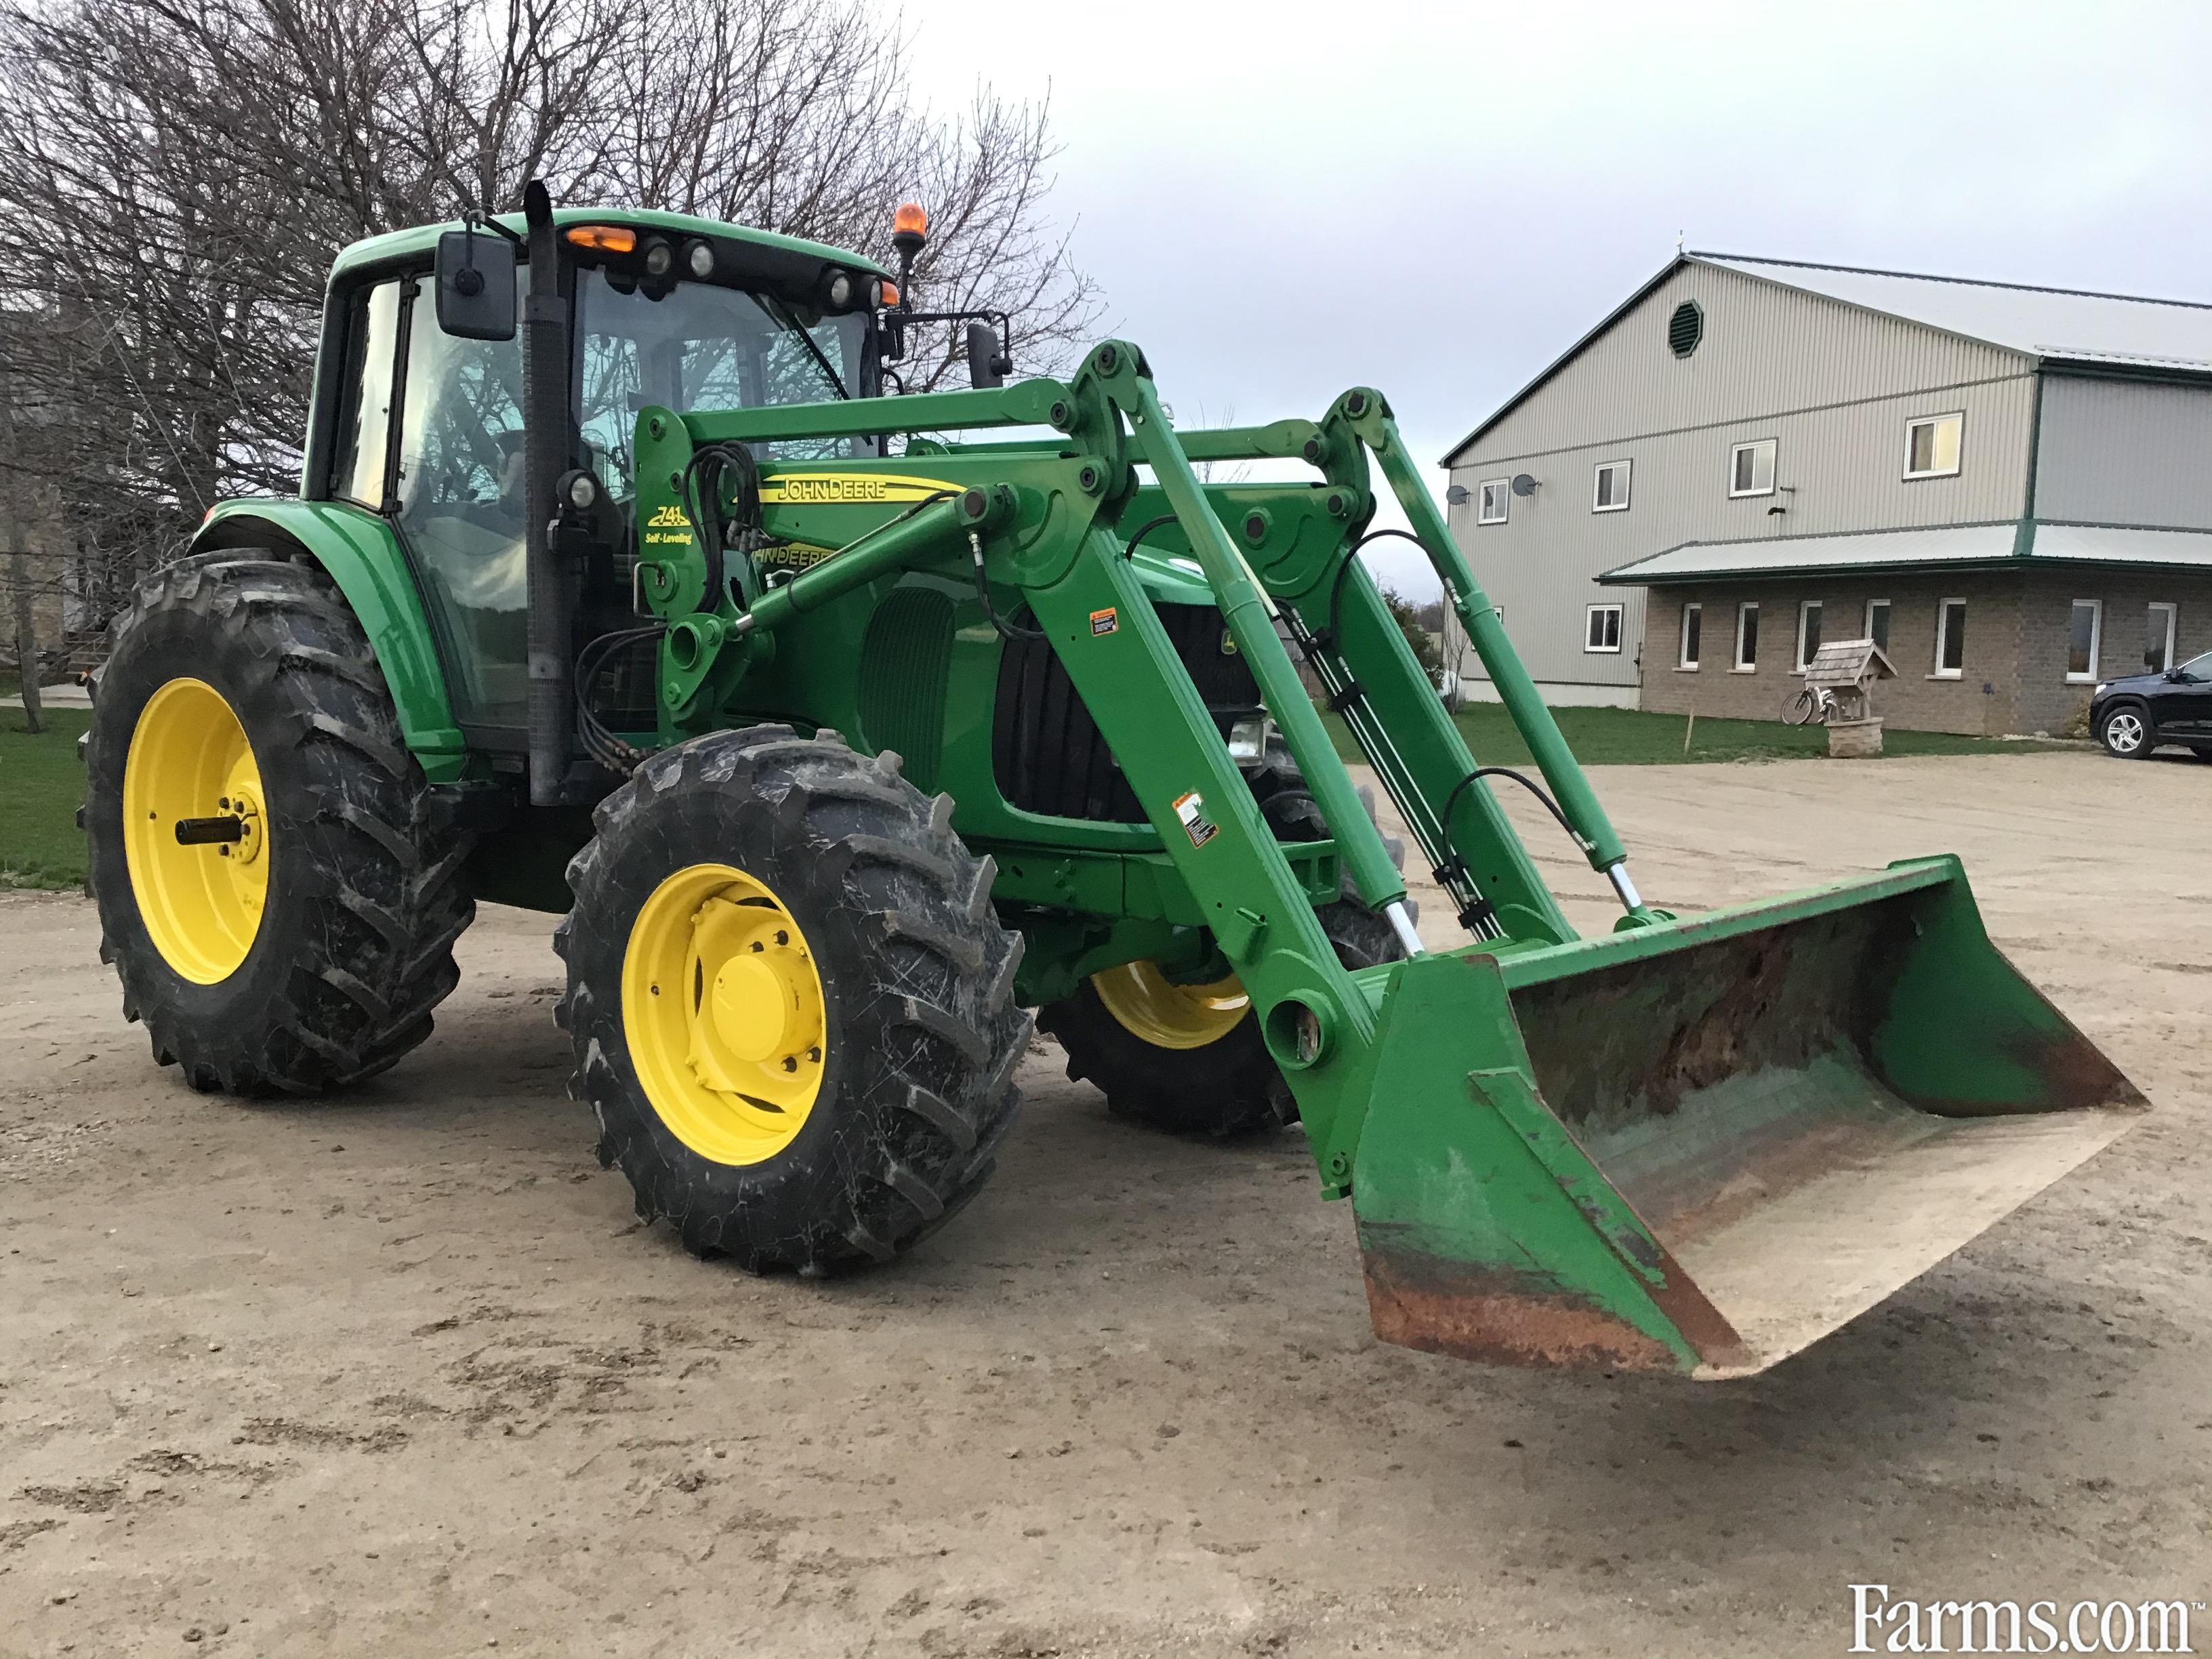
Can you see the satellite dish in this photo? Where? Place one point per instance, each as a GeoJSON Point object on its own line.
{"type": "Point", "coordinates": [1523, 485]}
{"type": "Point", "coordinates": [1456, 496]}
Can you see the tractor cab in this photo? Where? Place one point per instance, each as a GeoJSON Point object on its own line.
{"type": "Point", "coordinates": [425, 402]}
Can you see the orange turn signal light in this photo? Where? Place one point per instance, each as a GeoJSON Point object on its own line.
{"type": "Point", "coordinates": [909, 220]}
{"type": "Point", "coordinates": [608, 239]}
{"type": "Point", "coordinates": [889, 293]}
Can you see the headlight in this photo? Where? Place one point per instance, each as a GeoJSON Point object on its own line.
{"type": "Point", "coordinates": [1247, 738]}
{"type": "Point", "coordinates": [700, 258]}
{"type": "Point", "coordinates": [2103, 686]}
{"type": "Point", "coordinates": [658, 258]}
{"type": "Point", "coordinates": [579, 489]}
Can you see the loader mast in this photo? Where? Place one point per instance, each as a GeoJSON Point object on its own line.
{"type": "Point", "coordinates": [1044, 515]}
{"type": "Point", "coordinates": [1500, 1112]}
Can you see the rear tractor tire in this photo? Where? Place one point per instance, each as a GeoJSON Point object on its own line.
{"type": "Point", "coordinates": [272, 892]}
{"type": "Point", "coordinates": [1188, 1059]}
{"type": "Point", "coordinates": [791, 1003]}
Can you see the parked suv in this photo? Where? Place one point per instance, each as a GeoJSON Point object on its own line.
{"type": "Point", "coordinates": [2134, 715]}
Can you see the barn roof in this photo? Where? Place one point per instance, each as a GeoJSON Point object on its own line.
{"type": "Point", "coordinates": [2114, 333]}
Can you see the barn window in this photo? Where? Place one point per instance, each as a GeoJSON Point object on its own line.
{"type": "Point", "coordinates": [1877, 622]}
{"type": "Point", "coordinates": [2082, 631]}
{"type": "Point", "coordinates": [1950, 638]}
{"type": "Point", "coordinates": [1751, 467]}
{"type": "Point", "coordinates": [1808, 633]}
{"type": "Point", "coordinates": [1931, 445]}
{"type": "Point", "coordinates": [2158, 641]}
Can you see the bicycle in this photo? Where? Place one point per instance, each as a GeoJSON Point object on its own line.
{"type": "Point", "coordinates": [1812, 705]}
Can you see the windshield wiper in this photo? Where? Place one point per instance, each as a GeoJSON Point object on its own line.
{"type": "Point", "coordinates": [782, 312]}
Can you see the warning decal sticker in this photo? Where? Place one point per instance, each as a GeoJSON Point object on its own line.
{"type": "Point", "coordinates": [1190, 811]}
{"type": "Point", "coordinates": [1104, 621]}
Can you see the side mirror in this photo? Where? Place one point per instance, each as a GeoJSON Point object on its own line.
{"type": "Point", "coordinates": [476, 286]}
{"type": "Point", "coordinates": [987, 367]}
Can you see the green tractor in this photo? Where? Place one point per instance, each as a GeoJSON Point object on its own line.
{"type": "Point", "coordinates": [843, 727]}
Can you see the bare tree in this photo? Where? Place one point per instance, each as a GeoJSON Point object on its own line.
{"type": "Point", "coordinates": [182, 173]}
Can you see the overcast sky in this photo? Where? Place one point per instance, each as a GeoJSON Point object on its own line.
{"type": "Point", "coordinates": [1283, 200]}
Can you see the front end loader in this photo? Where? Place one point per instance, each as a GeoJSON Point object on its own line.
{"type": "Point", "coordinates": [843, 727]}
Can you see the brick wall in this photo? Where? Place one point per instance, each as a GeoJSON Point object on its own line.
{"type": "Point", "coordinates": [2012, 676]}
{"type": "Point", "coordinates": [2042, 698]}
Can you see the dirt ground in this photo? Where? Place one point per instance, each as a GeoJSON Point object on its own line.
{"type": "Point", "coordinates": [397, 1374]}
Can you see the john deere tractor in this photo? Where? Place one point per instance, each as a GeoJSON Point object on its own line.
{"type": "Point", "coordinates": [843, 725]}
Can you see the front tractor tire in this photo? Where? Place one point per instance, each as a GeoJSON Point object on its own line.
{"type": "Point", "coordinates": [1189, 1057]}
{"type": "Point", "coordinates": [272, 892]}
{"type": "Point", "coordinates": [792, 1005]}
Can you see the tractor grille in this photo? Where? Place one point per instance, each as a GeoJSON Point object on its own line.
{"type": "Point", "coordinates": [904, 661]}
{"type": "Point", "coordinates": [1048, 754]}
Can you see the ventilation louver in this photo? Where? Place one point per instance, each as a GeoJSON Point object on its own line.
{"type": "Point", "coordinates": [1685, 328]}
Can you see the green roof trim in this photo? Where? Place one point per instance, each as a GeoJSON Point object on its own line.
{"type": "Point", "coordinates": [2005, 545]}
{"type": "Point", "coordinates": [424, 239]}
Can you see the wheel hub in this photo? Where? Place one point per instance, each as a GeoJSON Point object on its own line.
{"type": "Point", "coordinates": [1167, 1015]}
{"type": "Point", "coordinates": [724, 1013]}
{"type": "Point", "coordinates": [750, 1010]}
{"type": "Point", "coordinates": [201, 901]}
{"type": "Point", "coordinates": [244, 802]}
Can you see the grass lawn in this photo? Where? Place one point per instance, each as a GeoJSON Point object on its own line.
{"type": "Point", "coordinates": [1628, 737]}
{"type": "Point", "coordinates": [40, 786]}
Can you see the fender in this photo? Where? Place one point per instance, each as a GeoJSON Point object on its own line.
{"type": "Point", "coordinates": [358, 551]}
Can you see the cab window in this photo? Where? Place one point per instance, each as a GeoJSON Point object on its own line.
{"type": "Point", "coordinates": [461, 508]}
{"type": "Point", "coordinates": [699, 346]}
{"type": "Point", "coordinates": [364, 417]}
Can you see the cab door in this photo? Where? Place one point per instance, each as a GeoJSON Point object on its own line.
{"type": "Point", "coordinates": [457, 500]}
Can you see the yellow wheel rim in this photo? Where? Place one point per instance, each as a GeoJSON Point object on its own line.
{"type": "Point", "coordinates": [1151, 1006]}
{"type": "Point", "coordinates": [189, 758]}
{"type": "Point", "coordinates": [723, 1012]}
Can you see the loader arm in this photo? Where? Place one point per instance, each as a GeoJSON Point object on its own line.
{"type": "Point", "coordinates": [1693, 1145]}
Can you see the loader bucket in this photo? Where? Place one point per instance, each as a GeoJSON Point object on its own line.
{"type": "Point", "coordinates": [1700, 1146]}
